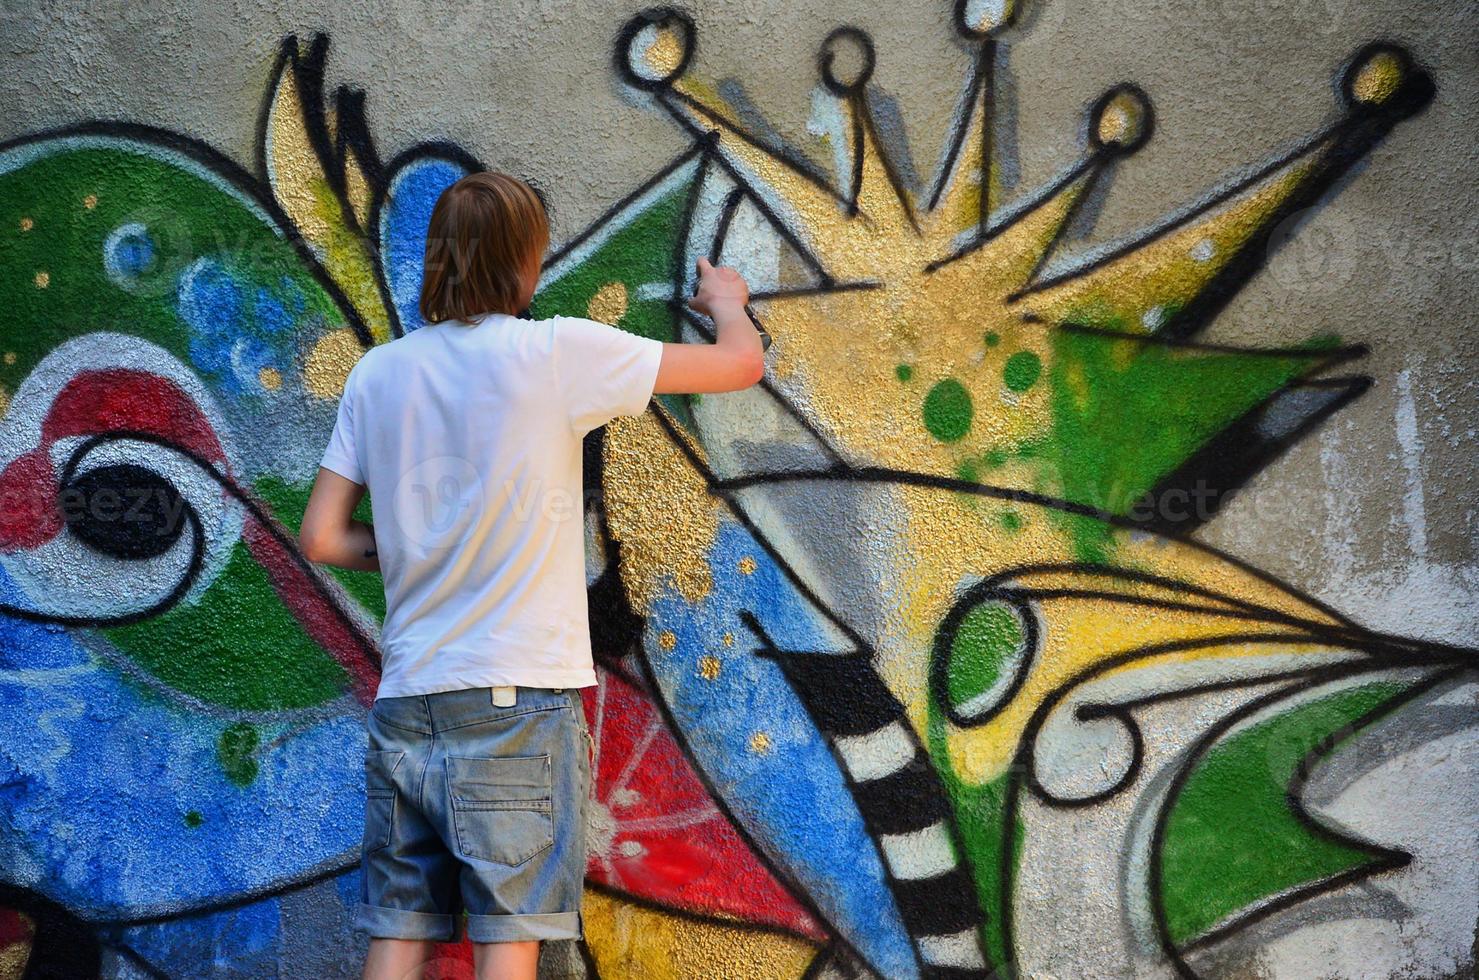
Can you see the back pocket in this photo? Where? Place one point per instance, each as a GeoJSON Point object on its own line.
{"type": "Point", "coordinates": [501, 808]}
{"type": "Point", "coordinates": [379, 797]}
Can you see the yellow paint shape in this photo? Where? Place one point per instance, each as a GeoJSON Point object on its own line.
{"type": "Point", "coordinates": [665, 536]}
{"type": "Point", "coordinates": [847, 346]}
{"type": "Point", "coordinates": [10, 357]}
{"type": "Point", "coordinates": [633, 942]}
{"type": "Point", "coordinates": [609, 304]}
{"type": "Point", "coordinates": [667, 640]}
{"type": "Point", "coordinates": [90, 201]}
{"type": "Point", "coordinates": [664, 54]}
{"type": "Point", "coordinates": [729, 639]}
{"type": "Point", "coordinates": [43, 279]}
{"type": "Point", "coordinates": [357, 188]}
{"type": "Point", "coordinates": [330, 361]}
{"type": "Point", "coordinates": [708, 667]}
{"type": "Point", "coordinates": [4, 401]}
{"type": "Point", "coordinates": [300, 183]}
{"type": "Point", "coordinates": [270, 378]}
{"type": "Point", "coordinates": [747, 565]}
{"type": "Point", "coordinates": [1378, 79]}
{"type": "Point", "coordinates": [27, 224]}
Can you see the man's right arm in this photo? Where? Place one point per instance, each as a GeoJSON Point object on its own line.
{"type": "Point", "coordinates": [734, 361]}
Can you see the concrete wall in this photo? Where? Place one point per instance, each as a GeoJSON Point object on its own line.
{"type": "Point", "coordinates": [1090, 591]}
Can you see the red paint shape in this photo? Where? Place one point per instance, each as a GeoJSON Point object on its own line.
{"type": "Point", "coordinates": [655, 831]}
{"type": "Point", "coordinates": [29, 515]}
{"type": "Point", "coordinates": [92, 402]}
{"type": "Point", "coordinates": [323, 619]}
{"type": "Point", "coordinates": [15, 928]}
{"type": "Point", "coordinates": [123, 398]}
{"type": "Point", "coordinates": [451, 961]}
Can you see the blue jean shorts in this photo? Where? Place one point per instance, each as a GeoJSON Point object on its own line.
{"type": "Point", "coordinates": [479, 809]}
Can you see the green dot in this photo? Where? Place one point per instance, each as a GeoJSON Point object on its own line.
{"type": "Point", "coordinates": [947, 410]}
{"type": "Point", "coordinates": [1022, 370]}
{"type": "Point", "coordinates": [236, 751]}
{"type": "Point", "coordinates": [992, 338]}
{"type": "Point", "coordinates": [904, 372]}
{"type": "Point", "coordinates": [1010, 520]}
{"type": "Point", "coordinates": [995, 458]}
{"type": "Point", "coordinates": [982, 653]}
{"type": "Point", "coordinates": [967, 471]}
{"type": "Point", "coordinates": [194, 819]}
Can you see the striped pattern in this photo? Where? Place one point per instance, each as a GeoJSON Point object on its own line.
{"type": "Point", "coordinates": [903, 804]}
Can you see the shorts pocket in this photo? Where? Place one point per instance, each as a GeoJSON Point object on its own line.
{"type": "Point", "coordinates": [501, 808]}
{"type": "Point", "coordinates": [379, 797]}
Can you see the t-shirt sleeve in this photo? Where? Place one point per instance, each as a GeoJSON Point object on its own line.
{"type": "Point", "coordinates": [342, 454]}
{"type": "Point", "coordinates": [602, 372]}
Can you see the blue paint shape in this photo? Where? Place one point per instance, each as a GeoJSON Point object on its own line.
{"type": "Point", "coordinates": [788, 794]}
{"type": "Point", "coordinates": [128, 254]}
{"type": "Point", "coordinates": [412, 193]}
{"type": "Point", "coordinates": [98, 770]}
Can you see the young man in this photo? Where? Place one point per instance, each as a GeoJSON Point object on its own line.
{"type": "Point", "coordinates": [467, 434]}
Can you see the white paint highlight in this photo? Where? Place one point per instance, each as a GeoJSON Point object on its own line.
{"type": "Point", "coordinates": [919, 854]}
{"type": "Point", "coordinates": [877, 754]}
{"type": "Point", "coordinates": [1414, 502]}
{"type": "Point", "coordinates": [961, 949]}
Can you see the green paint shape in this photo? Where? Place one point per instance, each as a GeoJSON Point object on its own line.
{"type": "Point", "coordinates": [1010, 520]}
{"type": "Point", "coordinates": [983, 652]}
{"type": "Point", "coordinates": [236, 750]}
{"type": "Point", "coordinates": [904, 372]}
{"type": "Point", "coordinates": [238, 646]}
{"type": "Point", "coordinates": [947, 410]}
{"type": "Point", "coordinates": [1232, 841]}
{"type": "Point", "coordinates": [187, 214]}
{"type": "Point", "coordinates": [967, 471]}
{"type": "Point", "coordinates": [194, 819]}
{"type": "Point", "coordinates": [1127, 414]}
{"type": "Point", "coordinates": [1022, 370]}
{"type": "Point", "coordinates": [980, 816]}
{"type": "Point", "coordinates": [992, 338]}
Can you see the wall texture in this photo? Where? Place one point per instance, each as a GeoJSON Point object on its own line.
{"type": "Point", "coordinates": [1089, 590]}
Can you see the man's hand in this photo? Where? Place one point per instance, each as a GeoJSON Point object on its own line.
{"type": "Point", "coordinates": [734, 360]}
{"type": "Point", "coordinates": [718, 285]}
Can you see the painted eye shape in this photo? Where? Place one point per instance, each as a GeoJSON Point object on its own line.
{"type": "Point", "coordinates": [982, 653]}
{"type": "Point", "coordinates": [144, 523]}
{"type": "Point", "coordinates": [123, 510]}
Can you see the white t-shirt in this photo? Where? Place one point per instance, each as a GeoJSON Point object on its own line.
{"type": "Point", "coordinates": [468, 436]}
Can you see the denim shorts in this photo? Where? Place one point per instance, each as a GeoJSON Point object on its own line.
{"type": "Point", "coordinates": [476, 808]}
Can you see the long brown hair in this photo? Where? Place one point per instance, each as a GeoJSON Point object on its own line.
{"type": "Point", "coordinates": [485, 230]}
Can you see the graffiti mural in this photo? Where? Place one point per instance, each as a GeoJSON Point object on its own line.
{"type": "Point", "coordinates": [911, 662]}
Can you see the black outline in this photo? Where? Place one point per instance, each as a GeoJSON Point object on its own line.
{"type": "Point", "coordinates": [654, 17]}
{"type": "Point", "coordinates": [1096, 117]}
{"type": "Point", "coordinates": [942, 649]}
